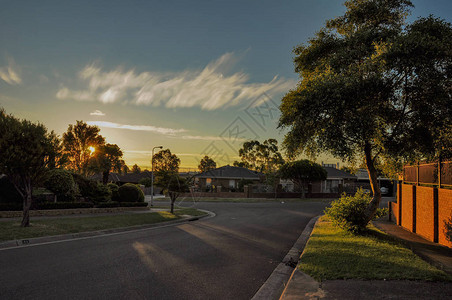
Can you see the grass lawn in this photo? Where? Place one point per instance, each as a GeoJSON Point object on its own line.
{"type": "Point", "coordinates": [11, 230]}
{"type": "Point", "coordinates": [246, 200]}
{"type": "Point", "coordinates": [335, 254]}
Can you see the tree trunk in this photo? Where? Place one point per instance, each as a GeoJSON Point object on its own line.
{"type": "Point", "coordinates": [105, 177]}
{"type": "Point", "coordinates": [173, 199]}
{"type": "Point", "coordinates": [375, 202]}
{"type": "Point", "coordinates": [27, 205]}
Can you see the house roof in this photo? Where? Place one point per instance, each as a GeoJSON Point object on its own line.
{"type": "Point", "coordinates": [230, 172]}
{"type": "Point", "coordinates": [129, 177]}
{"type": "Point", "coordinates": [334, 173]}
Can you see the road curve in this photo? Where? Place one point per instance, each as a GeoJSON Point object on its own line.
{"type": "Point", "coordinates": [226, 257]}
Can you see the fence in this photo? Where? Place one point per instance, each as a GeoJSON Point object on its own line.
{"type": "Point", "coordinates": [435, 174]}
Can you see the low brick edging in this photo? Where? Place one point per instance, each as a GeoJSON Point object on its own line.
{"type": "Point", "coordinates": [71, 211]}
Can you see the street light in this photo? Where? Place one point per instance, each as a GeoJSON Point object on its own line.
{"type": "Point", "coordinates": [152, 175]}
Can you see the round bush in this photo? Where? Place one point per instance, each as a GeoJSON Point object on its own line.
{"type": "Point", "coordinates": [61, 183]}
{"type": "Point", "coordinates": [114, 188]}
{"type": "Point", "coordinates": [130, 192]}
{"type": "Point", "coordinates": [348, 212]}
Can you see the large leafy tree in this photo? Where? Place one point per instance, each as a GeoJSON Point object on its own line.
{"type": "Point", "coordinates": [106, 159]}
{"type": "Point", "coordinates": [26, 150]}
{"type": "Point", "coordinates": [206, 164]}
{"type": "Point", "coordinates": [79, 143]}
{"type": "Point", "coordinates": [302, 172]}
{"type": "Point", "coordinates": [263, 157]}
{"type": "Point", "coordinates": [371, 88]}
{"type": "Point", "coordinates": [165, 161]}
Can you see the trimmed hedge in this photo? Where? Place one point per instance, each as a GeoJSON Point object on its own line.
{"type": "Point", "coordinates": [11, 207]}
{"type": "Point", "coordinates": [107, 204]}
{"type": "Point", "coordinates": [130, 192]}
{"type": "Point", "coordinates": [64, 205]}
{"type": "Point", "coordinates": [133, 204]}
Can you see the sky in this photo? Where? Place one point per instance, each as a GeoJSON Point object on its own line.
{"type": "Point", "coordinates": [197, 77]}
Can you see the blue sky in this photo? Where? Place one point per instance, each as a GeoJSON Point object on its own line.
{"type": "Point", "coordinates": [198, 77]}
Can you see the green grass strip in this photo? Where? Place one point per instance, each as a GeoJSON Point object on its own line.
{"type": "Point", "coordinates": [11, 230]}
{"type": "Point", "coordinates": [336, 254]}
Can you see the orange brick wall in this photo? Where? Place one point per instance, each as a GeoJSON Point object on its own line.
{"type": "Point", "coordinates": [444, 213]}
{"type": "Point", "coordinates": [425, 212]}
{"type": "Point", "coordinates": [407, 206]}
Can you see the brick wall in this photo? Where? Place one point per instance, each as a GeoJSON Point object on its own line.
{"type": "Point", "coordinates": [433, 207]}
{"type": "Point", "coordinates": [425, 212]}
{"type": "Point", "coordinates": [444, 213]}
{"type": "Point", "coordinates": [407, 206]}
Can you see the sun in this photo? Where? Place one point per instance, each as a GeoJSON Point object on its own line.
{"type": "Point", "coordinates": [91, 149]}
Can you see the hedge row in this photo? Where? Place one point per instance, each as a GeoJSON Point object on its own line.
{"type": "Point", "coordinates": [69, 205]}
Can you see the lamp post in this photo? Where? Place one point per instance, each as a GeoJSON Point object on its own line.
{"type": "Point", "coordinates": [152, 174]}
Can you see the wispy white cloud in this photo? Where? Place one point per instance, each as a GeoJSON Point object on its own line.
{"type": "Point", "coordinates": [208, 88]}
{"type": "Point", "coordinates": [11, 73]}
{"type": "Point", "coordinates": [161, 130]}
{"type": "Point", "coordinates": [97, 113]}
{"type": "Point", "coordinates": [209, 138]}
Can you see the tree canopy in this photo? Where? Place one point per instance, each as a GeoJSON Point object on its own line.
{"type": "Point", "coordinates": [206, 164]}
{"type": "Point", "coordinates": [371, 87]}
{"type": "Point", "coordinates": [106, 159]}
{"type": "Point", "coordinates": [165, 161]}
{"type": "Point", "coordinates": [26, 150]}
{"type": "Point", "coordinates": [263, 157]}
{"type": "Point", "coordinates": [79, 142]}
{"type": "Point", "coordinates": [302, 172]}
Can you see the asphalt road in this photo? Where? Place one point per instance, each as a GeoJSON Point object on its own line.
{"type": "Point", "coordinates": [226, 257]}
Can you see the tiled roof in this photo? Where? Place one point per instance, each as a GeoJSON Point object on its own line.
{"type": "Point", "coordinates": [231, 173]}
{"type": "Point", "coordinates": [336, 173]}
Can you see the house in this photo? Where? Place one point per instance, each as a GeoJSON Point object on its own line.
{"type": "Point", "coordinates": [225, 178]}
{"type": "Point", "coordinates": [388, 186]}
{"type": "Point", "coordinates": [121, 179]}
{"type": "Point", "coordinates": [337, 181]}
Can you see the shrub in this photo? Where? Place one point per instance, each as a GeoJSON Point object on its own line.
{"type": "Point", "coordinates": [108, 204]}
{"type": "Point", "coordinates": [61, 183]}
{"type": "Point", "coordinates": [114, 188]}
{"type": "Point", "coordinates": [64, 205]}
{"type": "Point", "coordinates": [14, 206]}
{"type": "Point", "coordinates": [147, 182]}
{"type": "Point", "coordinates": [130, 192]}
{"type": "Point", "coordinates": [133, 204]}
{"type": "Point", "coordinates": [348, 212]}
{"type": "Point", "coordinates": [101, 193]}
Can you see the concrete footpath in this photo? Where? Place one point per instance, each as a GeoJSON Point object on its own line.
{"type": "Point", "coordinates": [302, 286]}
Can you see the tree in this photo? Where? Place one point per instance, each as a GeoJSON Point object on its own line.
{"type": "Point", "coordinates": [25, 149]}
{"type": "Point", "coordinates": [302, 172]}
{"type": "Point", "coordinates": [371, 88]}
{"type": "Point", "coordinates": [206, 164]}
{"type": "Point", "coordinates": [80, 141]}
{"type": "Point", "coordinates": [165, 161]}
{"type": "Point", "coordinates": [125, 169]}
{"type": "Point", "coordinates": [172, 185]}
{"type": "Point", "coordinates": [264, 157]}
{"type": "Point", "coordinates": [107, 159]}
{"type": "Point", "coordinates": [136, 169]}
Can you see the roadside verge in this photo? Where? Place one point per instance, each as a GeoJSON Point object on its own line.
{"type": "Point", "coordinates": [92, 234]}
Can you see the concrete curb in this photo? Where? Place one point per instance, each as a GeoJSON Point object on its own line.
{"type": "Point", "coordinates": [300, 284]}
{"type": "Point", "coordinates": [276, 283]}
{"type": "Point", "coordinates": [92, 234]}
